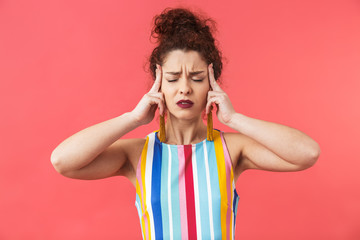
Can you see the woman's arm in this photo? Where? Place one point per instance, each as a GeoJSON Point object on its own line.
{"type": "Point", "coordinates": [87, 147]}
{"type": "Point", "coordinates": [97, 152]}
{"type": "Point", "coordinates": [288, 143]}
{"type": "Point", "coordinates": [263, 145]}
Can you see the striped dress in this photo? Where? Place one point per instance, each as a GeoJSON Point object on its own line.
{"type": "Point", "coordinates": [186, 191]}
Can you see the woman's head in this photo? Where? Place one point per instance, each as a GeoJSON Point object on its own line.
{"type": "Point", "coordinates": [181, 29]}
{"type": "Point", "coordinates": [185, 44]}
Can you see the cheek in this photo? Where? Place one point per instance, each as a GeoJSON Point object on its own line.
{"type": "Point", "coordinates": [204, 97]}
{"type": "Point", "coordinates": [167, 97]}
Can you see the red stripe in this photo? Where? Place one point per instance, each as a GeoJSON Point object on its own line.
{"type": "Point", "coordinates": [190, 199]}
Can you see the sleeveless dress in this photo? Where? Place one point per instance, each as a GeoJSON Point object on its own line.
{"type": "Point", "coordinates": [186, 191]}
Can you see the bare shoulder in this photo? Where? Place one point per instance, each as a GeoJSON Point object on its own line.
{"type": "Point", "coordinates": [235, 143]}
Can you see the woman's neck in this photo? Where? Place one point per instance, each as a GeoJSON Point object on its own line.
{"type": "Point", "coordinates": [184, 132]}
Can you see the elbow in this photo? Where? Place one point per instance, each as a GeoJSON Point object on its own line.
{"type": "Point", "coordinates": [312, 157]}
{"type": "Point", "coordinates": [57, 163]}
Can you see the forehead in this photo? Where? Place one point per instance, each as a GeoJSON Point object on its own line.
{"type": "Point", "coordinates": [177, 59]}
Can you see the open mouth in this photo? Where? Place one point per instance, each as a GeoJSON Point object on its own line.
{"type": "Point", "coordinates": [185, 103]}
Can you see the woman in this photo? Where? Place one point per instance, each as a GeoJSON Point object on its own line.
{"type": "Point", "coordinates": [185, 173]}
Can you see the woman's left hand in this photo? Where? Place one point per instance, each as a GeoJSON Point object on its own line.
{"type": "Point", "coordinates": [225, 110]}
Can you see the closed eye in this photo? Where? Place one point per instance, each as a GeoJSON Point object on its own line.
{"type": "Point", "coordinates": [195, 80]}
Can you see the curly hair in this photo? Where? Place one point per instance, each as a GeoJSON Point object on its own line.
{"type": "Point", "coordinates": [180, 28]}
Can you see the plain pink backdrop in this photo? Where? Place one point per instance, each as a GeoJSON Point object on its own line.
{"type": "Point", "coordinates": [66, 65]}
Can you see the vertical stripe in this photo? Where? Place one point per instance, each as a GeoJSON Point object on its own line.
{"type": "Point", "coordinates": [189, 187]}
{"type": "Point", "coordinates": [229, 180]}
{"type": "Point", "coordinates": [233, 213]}
{"type": "Point", "coordinates": [208, 185]}
{"type": "Point", "coordinates": [148, 175]}
{"type": "Point", "coordinates": [196, 192]}
{"type": "Point", "coordinates": [215, 191]}
{"type": "Point", "coordinates": [186, 191]}
{"type": "Point", "coordinates": [164, 191]}
{"type": "Point", "coordinates": [169, 193]}
{"type": "Point", "coordinates": [156, 190]}
{"type": "Point", "coordinates": [142, 186]}
{"type": "Point", "coordinates": [137, 202]}
{"type": "Point", "coordinates": [182, 191]}
{"type": "Point", "coordinates": [222, 182]}
{"type": "Point", "coordinates": [175, 190]}
{"type": "Point", "coordinates": [236, 200]}
{"type": "Point", "coordinates": [203, 189]}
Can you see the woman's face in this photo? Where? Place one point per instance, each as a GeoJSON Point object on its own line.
{"type": "Point", "coordinates": [185, 77]}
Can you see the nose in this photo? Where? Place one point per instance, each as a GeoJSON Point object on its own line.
{"type": "Point", "coordinates": [185, 87]}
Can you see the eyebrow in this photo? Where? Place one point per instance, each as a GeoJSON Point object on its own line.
{"type": "Point", "coordinates": [191, 73]}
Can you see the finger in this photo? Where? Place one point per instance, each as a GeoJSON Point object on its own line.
{"type": "Point", "coordinates": [161, 103]}
{"type": "Point", "coordinates": [157, 95]}
{"type": "Point", "coordinates": [220, 95]}
{"type": "Point", "coordinates": [161, 107]}
{"type": "Point", "coordinates": [209, 106]}
{"type": "Point", "coordinates": [209, 101]}
{"type": "Point", "coordinates": [213, 100]}
{"type": "Point", "coordinates": [210, 94]}
{"type": "Point", "coordinates": [212, 80]}
{"type": "Point", "coordinates": [157, 83]}
{"type": "Point", "coordinates": [156, 101]}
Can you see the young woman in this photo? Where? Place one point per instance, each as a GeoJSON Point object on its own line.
{"type": "Point", "coordinates": [184, 173]}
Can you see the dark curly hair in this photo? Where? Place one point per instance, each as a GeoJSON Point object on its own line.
{"type": "Point", "coordinates": [180, 28]}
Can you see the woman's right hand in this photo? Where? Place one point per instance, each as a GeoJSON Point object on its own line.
{"type": "Point", "coordinates": [144, 111]}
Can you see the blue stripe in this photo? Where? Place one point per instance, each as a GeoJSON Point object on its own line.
{"type": "Point", "coordinates": [155, 193]}
{"type": "Point", "coordinates": [203, 193]}
{"type": "Point", "coordinates": [175, 202]}
{"type": "Point", "coordinates": [215, 189]}
{"type": "Point", "coordinates": [235, 207]}
{"type": "Point", "coordinates": [139, 204]}
{"type": "Point", "coordinates": [164, 192]}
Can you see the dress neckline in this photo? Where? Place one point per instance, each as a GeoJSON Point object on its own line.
{"type": "Point", "coordinates": [176, 145]}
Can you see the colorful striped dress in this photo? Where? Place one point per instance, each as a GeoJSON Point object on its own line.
{"type": "Point", "coordinates": [186, 191]}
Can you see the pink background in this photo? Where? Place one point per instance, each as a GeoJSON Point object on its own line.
{"type": "Point", "coordinates": [66, 65]}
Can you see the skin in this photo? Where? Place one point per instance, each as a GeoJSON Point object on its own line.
{"type": "Point", "coordinates": [99, 151]}
{"type": "Point", "coordinates": [184, 125]}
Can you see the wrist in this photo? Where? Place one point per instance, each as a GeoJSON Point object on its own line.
{"type": "Point", "coordinates": [236, 121]}
{"type": "Point", "coordinates": [133, 119]}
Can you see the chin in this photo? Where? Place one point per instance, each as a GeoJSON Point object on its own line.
{"type": "Point", "coordinates": [188, 115]}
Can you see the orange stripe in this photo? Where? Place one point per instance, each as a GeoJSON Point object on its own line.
{"type": "Point", "coordinates": [143, 165]}
{"type": "Point", "coordinates": [222, 180]}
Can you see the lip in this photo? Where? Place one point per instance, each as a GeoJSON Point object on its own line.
{"type": "Point", "coordinates": [185, 103]}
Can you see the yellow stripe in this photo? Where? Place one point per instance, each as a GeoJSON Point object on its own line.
{"type": "Point", "coordinates": [232, 196]}
{"type": "Point", "coordinates": [219, 152]}
{"type": "Point", "coordinates": [143, 165]}
{"type": "Point", "coordinates": [138, 191]}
